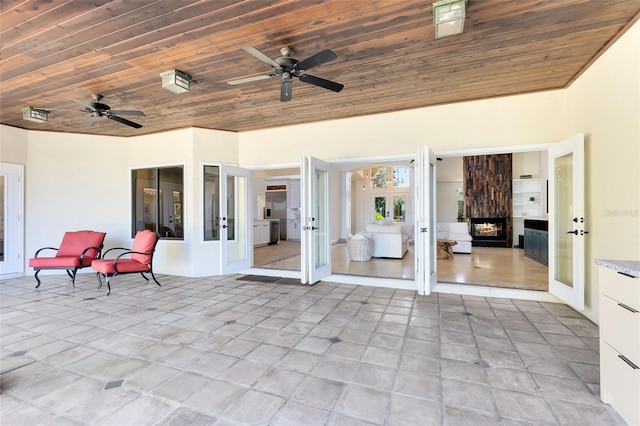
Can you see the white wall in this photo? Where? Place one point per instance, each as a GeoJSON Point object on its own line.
{"type": "Point", "coordinates": [604, 103]}
{"type": "Point", "coordinates": [514, 120]}
{"type": "Point", "coordinates": [13, 145]}
{"type": "Point", "coordinates": [75, 182]}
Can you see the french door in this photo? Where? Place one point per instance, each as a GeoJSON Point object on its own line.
{"type": "Point", "coordinates": [11, 214]}
{"type": "Point", "coordinates": [389, 207]}
{"type": "Point", "coordinates": [235, 219]}
{"type": "Point", "coordinates": [567, 231]}
{"type": "Point", "coordinates": [316, 231]}
{"type": "Point", "coordinates": [425, 222]}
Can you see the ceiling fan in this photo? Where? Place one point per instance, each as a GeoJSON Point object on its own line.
{"type": "Point", "coordinates": [287, 67]}
{"type": "Point", "coordinates": [96, 109]}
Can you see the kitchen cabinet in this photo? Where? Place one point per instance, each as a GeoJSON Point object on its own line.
{"type": "Point", "coordinates": [260, 232]}
{"type": "Point", "coordinates": [293, 195]}
{"type": "Point", "coordinates": [536, 240]}
{"type": "Point", "coordinates": [620, 340]}
{"type": "Point", "coordinates": [293, 229]}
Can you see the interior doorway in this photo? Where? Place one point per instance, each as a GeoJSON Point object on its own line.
{"type": "Point", "coordinates": [494, 263]}
{"type": "Point", "coordinates": [485, 266]}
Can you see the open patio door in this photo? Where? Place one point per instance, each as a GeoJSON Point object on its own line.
{"type": "Point", "coordinates": [11, 214]}
{"type": "Point", "coordinates": [316, 231]}
{"type": "Point", "coordinates": [425, 222]}
{"type": "Point", "coordinates": [235, 219]}
{"type": "Point", "coordinates": [566, 221]}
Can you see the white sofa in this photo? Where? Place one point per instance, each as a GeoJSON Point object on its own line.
{"type": "Point", "coordinates": [458, 232]}
{"type": "Point", "coordinates": [389, 240]}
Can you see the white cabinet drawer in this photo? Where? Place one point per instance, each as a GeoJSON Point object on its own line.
{"type": "Point", "coordinates": [620, 328]}
{"type": "Point", "coordinates": [620, 385]}
{"type": "Point", "coordinates": [620, 287]}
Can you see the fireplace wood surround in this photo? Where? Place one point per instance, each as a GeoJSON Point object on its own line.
{"type": "Point", "coordinates": [488, 194]}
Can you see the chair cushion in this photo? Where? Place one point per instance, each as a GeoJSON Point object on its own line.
{"type": "Point", "coordinates": [73, 243]}
{"type": "Point", "coordinates": [144, 242]}
{"type": "Point", "coordinates": [106, 266]}
{"type": "Point", "coordinates": [56, 262]}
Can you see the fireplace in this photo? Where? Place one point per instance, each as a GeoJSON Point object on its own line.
{"type": "Point", "coordinates": [489, 231]}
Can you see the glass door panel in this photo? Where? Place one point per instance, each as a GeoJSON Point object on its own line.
{"type": "Point", "coordinates": [563, 214]}
{"type": "Point", "coordinates": [399, 208]}
{"type": "Point", "coordinates": [380, 211]}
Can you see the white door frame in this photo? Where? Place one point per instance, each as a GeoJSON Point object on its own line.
{"type": "Point", "coordinates": [13, 201]}
{"type": "Point", "coordinates": [426, 266]}
{"type": "Point", "coordinates": [241, 245]}
{"type": "Point", "coordinates": [316, 223]}
{"type": "Point", "coordinates": [567, 224]}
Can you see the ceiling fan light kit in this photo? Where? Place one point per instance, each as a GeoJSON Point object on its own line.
{"type": "Point", "coordinates": [35, 114]}
{"type": "Point", "coordinates": [176, 81]}
{"type": "Point", "coordinates": [286, 67]}
{"type": "Point", "coordinates": [448, 17]}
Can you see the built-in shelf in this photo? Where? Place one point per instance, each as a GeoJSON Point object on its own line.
{"type": "Point", "coordinates": [523, 190]}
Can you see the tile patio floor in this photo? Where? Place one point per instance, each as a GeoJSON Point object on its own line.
{"type": "Point", "coordinates": [225, 351]}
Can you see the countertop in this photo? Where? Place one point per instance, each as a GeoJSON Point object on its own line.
{"type": "Point", "coordinates": [629, 267]}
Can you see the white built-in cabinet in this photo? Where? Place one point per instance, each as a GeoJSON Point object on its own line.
{"type": "Point", "coordinates": [620, 343]}
{"type": "Point", "coordinates": [260, 232]}
{"type": "Point", "coordinates": [293, 195]}
{"type": "Point", "coordinates": [293, 229]}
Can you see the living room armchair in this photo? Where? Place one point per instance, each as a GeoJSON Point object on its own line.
{"type": "Point", "coordinates": [139, 259]}
{"type": "Point", "coordinates": [76, 251]}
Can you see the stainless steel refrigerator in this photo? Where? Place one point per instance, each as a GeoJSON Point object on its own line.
{"type": "Point", "coordinates": [276, 208]}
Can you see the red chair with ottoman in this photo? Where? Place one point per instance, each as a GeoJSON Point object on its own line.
{"type": "Point", "coordinates": [140, 259]}
{"type": "Point", "coordinates": [77, 250]}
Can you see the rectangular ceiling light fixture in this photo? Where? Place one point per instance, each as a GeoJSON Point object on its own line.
{"type": "Point", "coordinates": [448, 17]}
{"type": "Point", "coordinates": [34, 114]}
{"type": "Point", "coordinates": [175, 81]}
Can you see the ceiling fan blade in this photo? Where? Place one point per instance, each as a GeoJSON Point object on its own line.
{"type": "Point", "coordinates": [258, 54]}
{"type": "Point", "coordinates": [317, 59]}
{"type": "Point", "coordinates": [285, 90]}
{"type": "Point", "coordinates": [89, 121]}
{"type": "Point", "coordinates": [126, 112]}
{"type": "Point", "coordinates": [88, 106]}
{"type": "Point", "coordinates": [250, 79]}
{"type": "Point", "coordinates": [321, 82]}
{"type": "Point", "coordinates": [124, 121]}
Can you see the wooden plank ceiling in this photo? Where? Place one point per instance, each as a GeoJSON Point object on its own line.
{"type": "Point", "coordinates": [55, 51]}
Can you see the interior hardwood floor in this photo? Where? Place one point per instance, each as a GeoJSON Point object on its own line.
{"type": "Point", "coordinates": [498, 267]}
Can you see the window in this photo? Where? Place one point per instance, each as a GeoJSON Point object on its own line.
{"type": "Point", "coordinates": [211, 203]}
{"type": "Point", "coordinates": [389, 177]}
{"type": "Point", "coordinates": [157, 201]}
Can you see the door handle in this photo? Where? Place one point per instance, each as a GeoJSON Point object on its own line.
{"type": "Point", "coordinates": [584, 232]}
{"type": "Point", "coordinates": [575, 232]}
{"type": "Point", "coordinates": [224, 226]}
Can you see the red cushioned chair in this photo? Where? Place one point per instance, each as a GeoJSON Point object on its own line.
{"type": "Point", "coordinates": [77, 250]}
{"type": "Point", "coordinates": [140, 259]}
